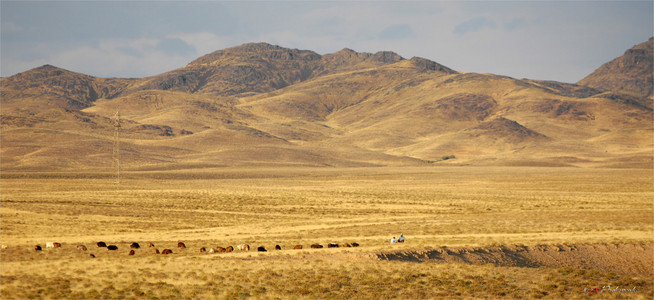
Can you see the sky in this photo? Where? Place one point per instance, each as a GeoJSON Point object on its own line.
{"type": "Point", "coordinates": [545, 40]}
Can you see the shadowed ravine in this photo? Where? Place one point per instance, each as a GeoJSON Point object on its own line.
{"type": "Point", "coordinates": [628, 259]}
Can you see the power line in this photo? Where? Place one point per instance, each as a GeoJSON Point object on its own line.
{"type": "Point", "coordinates": [116, 148]}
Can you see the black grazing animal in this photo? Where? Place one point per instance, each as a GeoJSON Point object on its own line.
{"type": "Point", "coordinates": [102, 244]}
{"type": "Point", "coordinates": [332, 245]}
{"type": "Point", "coordinates": [37, 248]}
{"type": "Point", "coordinates": [112, 247]}
{"type": "Point", "coordinates": [135, 246]}
{"type": "Point", "coordinates": [278, 247]}
{"type": "Point", "coordinates": [261, 249]}
{"type": "Point", "coordinates": [355, 244]}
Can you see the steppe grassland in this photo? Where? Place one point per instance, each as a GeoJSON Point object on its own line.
{"type": "Point", "coordinates": [433, 207]}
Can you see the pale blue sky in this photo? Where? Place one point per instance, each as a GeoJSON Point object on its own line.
{"type": "Point", "coordinates": [551, 40]}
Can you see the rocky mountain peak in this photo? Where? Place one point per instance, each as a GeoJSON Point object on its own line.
{"type": "Point", "coordinates": [256, 51]}
{"type": "Point", "coordinates": [63, 88]}
{"type": "Point", "coordinates": [630, 73]}
{"type": "Point", "coordinates": [387, 57]}
{"type": "Point", "coordinates": [428, 65]}
{"type": "Point", "coordinates": [347, 50]}
{"type": "Point", "coordinates": [44, 71]}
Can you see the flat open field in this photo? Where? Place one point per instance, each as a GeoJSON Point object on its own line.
{"type": "Point", "coordinates": [493, 232]}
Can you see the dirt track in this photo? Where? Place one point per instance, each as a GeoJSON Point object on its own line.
{"type": "Point", "coordinates": [629, 259]}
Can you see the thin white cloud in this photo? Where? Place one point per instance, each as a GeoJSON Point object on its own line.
{"type": "Point", "coordinates": [541, 40]}
{"type": "Point", "coordinates": [107, 58]}
{"type": "Point", "coordinates": [204, 42]}
{"type": "Point", "coordinates": [473, 25]}
{"type": "Point", "coordinates": [397, 32]}
{"type": "Point", "coordinates": [515, 24]}
{"type": "Point", "coordinates": [10, 27]}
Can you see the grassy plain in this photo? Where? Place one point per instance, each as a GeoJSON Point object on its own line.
{"type": "Point", "coordinates": [432, 207]}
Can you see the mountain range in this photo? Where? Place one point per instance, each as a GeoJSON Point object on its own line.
{"type": "Point", "coordinates": [264, 105]}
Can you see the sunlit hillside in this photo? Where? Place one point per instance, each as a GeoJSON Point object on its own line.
{"type": "Point", "coordinates": [259, 104]}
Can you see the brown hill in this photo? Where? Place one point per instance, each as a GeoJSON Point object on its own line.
{"type": "Point", "coordinates": [250, 68]}
{"type": "Point", "coordinates": [47, 87]}
{"type": "Point", "coordinates": [630, 73]}
{"type": "Point", "coordinates": [260, 104]}
{"type": "Point", "coordinates": [260, 67]}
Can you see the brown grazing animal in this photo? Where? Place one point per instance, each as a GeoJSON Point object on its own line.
{"type": "Point", "coordinates": [56, 245]}
{"type": "Point", "coordinates": [181, 245]}
{"type": "Point", "coordinates": [131, 252]}
{"type": "Point", "coordinates": [112, 247]}
{"type": "Point", "coordinates": [278, 247]}
{"type": "Point", "coordinates": [92, 255]}
{"type": "Point", "coordinates": [150, 245]}
{"type": "Point", "coordinates": [202, 250]}
{"type": "Point", "coordinates": [102, 244]}
{"type": "Point", "coordinates": [81, 247]}
{"type": "Point", "coordinates": [355, 244]}
{"type": "Point", "coordinates": [37, 248]}
{"type": "Point", "coordinates": [346, 245]}
{"type": "Point", "coordinates": [135, 246]}
{"type": "Point", "coordinates": [167, 251]}
{"type": "Point", "coordinates": [297, 247]}
{"type": "Point", "coordinates": [316, 246]}
{"type": "Point", "coordinates": [229, 249]}
{"type": "Point", "coordinates": [261, 249]}
{"type": "Point", "coordinates": [221, 249]}
{"type": "Point", "coordinates": [155, 251]}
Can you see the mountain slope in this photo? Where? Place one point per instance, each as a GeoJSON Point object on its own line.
{"type": "Point", "coordinates": [48, 86]}
{"type": "Point", "coordinates": [250, 68]}
{"type": "Point", "coordinates": [260, 104]}
{"type": "Point", "coordinates": [630, 73]}
{"type": "Point", "coordinates": [259, 68]}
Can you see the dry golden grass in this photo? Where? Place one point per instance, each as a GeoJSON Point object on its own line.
{"type": "Point", "coordinates": [433, 207]}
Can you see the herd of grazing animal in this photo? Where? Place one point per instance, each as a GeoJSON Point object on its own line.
{"type": "Point", "coordinates": [241, 247]}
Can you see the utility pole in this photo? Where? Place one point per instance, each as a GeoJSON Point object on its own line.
{"type": "Point", "coordinates": [116, 151]}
